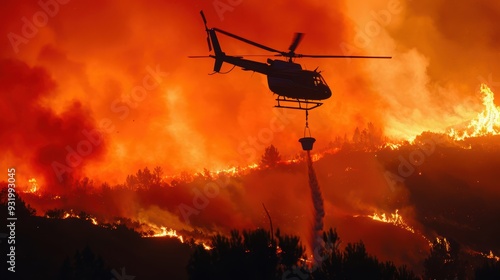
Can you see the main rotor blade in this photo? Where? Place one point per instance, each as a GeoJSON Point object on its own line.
{"type": "Point", "coordinates": [256, 55]}
{"type": "Point", "coordinates": [204, 19]}
{"type": "Point", "coordinates": [296, 41]}
{"type": "Point", "coordinates": [341, 56]}
{"type": "Point", "coordinates": [247, 41]}
{"type": "Point", "coordinates": [234, 55]}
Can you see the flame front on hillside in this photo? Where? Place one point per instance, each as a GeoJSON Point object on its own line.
{"type": "Point", "coordinates": [172, 233]}
{"type": "Point", "coordinates": [168, 232]}
{"type": "Point", "coordinates": [486, 123]}
{"type": "Point", "coordinates": [395, 219]}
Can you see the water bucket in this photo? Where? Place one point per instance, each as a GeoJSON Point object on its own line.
{"type": "Point", "coordinates": [307, 143]}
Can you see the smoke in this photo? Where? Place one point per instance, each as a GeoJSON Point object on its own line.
{"type": "Point", "coordinates": [319, 210]}
{"type": "Point", "coordinates": [440, 50]}
{"type": "Point", "coordinates": [99, 58]}
{"type": "Point", "coordinates": [39, 140]}
{"type": "Point", "coordinates": [79, 70]}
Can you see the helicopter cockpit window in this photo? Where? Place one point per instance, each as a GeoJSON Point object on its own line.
{"type": "Point", "coordinates": [318, 80]}
{"type": "Point", "coordinates": [322, 80]}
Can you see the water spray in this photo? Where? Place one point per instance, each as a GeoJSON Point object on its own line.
{"type": "Point", "coordinates": [316, 241]}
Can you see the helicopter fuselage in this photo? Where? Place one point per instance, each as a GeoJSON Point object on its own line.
{"type": "Point", "coordinates": [285, 78]}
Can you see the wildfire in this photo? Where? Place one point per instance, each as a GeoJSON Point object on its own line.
{"type": "Point", "coordinates": [394, 219]}
{"type": "Point", "coordinates": [486, 123]}
{"type": "Point", "coordinates": [172, 233]}
{"type": "Point", "coordinates": [488, 256]}
{"type": "Point", "coordinates": [492, 256]}
{"type": "Point", "coordinates": [33, 185]}
{"type": "Point", "coordinates": [445, 242]}
{"type": "Point", "coordinates": [392, 146]}
{"type": "Point", "coordinates": [71, 214]}
{"type": "Point", "coordinates": [235, 170]}
{"type": "Point", "coordinates": [397, 220]}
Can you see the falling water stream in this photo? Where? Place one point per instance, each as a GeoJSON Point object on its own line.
{"type": "Point", "coordinates": [319, 211]}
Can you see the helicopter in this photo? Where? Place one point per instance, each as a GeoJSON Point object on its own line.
{"type": "Point", "coordinates": [296, 87]}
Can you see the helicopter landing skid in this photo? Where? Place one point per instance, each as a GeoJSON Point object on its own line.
{"type": "Point", "coordinates": [296, 103]}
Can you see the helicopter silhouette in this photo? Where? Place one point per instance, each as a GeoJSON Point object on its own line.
{"type": "Point", "coordinates": [296, 88]}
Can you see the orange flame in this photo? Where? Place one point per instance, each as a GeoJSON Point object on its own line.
{"type": "Point", "coordinates": [394, 219]}
{"type": "Point", "coordinates": [33, 186]}
{"type": "Point", "coordinates": [206, 247]}
{"type": "Point", "coordinates": [172, 233]}
{"type": "Point", "coordinates": [492, 256]}
{"type": "Point", "coordinates": [71, 214]}
{"type": "Point", "coordinates": [486, 123]}
{"type": "Point", "coordinates": [446, 243]}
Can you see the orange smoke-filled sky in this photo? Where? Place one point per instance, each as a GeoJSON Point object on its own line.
{"type": "Point", "coordinates": [71, 68]}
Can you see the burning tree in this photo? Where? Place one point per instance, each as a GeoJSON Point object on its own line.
{"type": "Point", "coordinates": [443, 261]}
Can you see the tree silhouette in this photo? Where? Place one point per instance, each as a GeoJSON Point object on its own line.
{"type": "Point", "coordinates": [22, 210]}
{"type": "Point", "coordinates": [489, 271]}
{"type": "Point", "coordinates": [84, 265]}
{"type": "Point", "coordinates": [144, 178]}
{"type": "Point", "coordinates": [290, 249]}
{"type": "Point", "coordinates": [271, 157]}
{"type": "Point", "coordinates": [251, 255]}
{"type": "Point", "coordinates": [443, 261]}
{"type": "Point", "coordinates": [55, 213]}
{"type": "Point", "coordinates": [356, 137]}
{"type": "Point", "coordinates": [255, 255]}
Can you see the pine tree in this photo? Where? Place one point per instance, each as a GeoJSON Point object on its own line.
{"type": "Point", "coordinates": [271, 157]}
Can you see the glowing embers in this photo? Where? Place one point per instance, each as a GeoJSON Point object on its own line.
{"type": "Point", "coordinates": [486, 123]}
